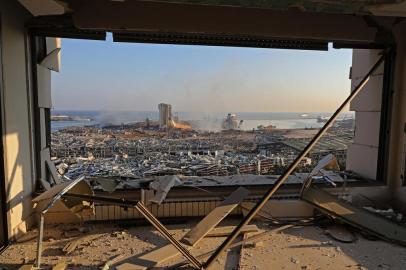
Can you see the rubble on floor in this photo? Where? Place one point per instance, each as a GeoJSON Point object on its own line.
{"type": "Point", "coordinates": [294, 248]}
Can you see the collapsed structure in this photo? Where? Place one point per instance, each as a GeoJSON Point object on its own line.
{"type": "Point", "coordinates": [165, 115]}
{"type": "Point", "coordinates": [136, 152]}
{"type": "Point", "coordinates": [376, 32]}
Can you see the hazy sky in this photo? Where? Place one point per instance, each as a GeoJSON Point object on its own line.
{"type": "Point", "coordinates": [103, 75]}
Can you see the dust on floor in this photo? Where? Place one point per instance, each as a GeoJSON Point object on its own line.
{"type": "Point", "coordinates": [295, 248]}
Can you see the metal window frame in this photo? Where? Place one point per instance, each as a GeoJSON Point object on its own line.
{"type": "Point", "coordinates": [248, 41]}
{"type": "Point", "coordinates": [218, 40]}
{"type": "Point", "coordinates": [33, 40]}
{"type": "Point", "coordinates": [386, 115]}
{"type": "Point", "coordinates": [38, 52]}
{"type": "Point", "coordinates": [232, 41]}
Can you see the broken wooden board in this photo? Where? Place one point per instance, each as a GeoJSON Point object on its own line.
{"type": "Point", "coordinates": [248, 240]}
{"type": "Point", "coordinates": [72, 208]}
{"type": "Point", "coordinates": [214, 217]}
{"type": "Point", "coordinates": [357, 217]}
{"type": "Point", "coordinates": [241, 259]}
{"type": "Point", "coordinates": [162, 254]}
{"type": "Point", "coordinates": [226, 230]}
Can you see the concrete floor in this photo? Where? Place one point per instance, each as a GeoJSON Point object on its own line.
{"type": "Point", "coordinates": [295, 248]}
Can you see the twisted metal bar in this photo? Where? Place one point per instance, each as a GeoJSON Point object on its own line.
{"type": "Point", "coordinates": [291, 167]}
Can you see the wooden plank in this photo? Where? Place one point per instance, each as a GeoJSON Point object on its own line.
{"type": "Point", "coordinates": [26, 267]}
{"type": "Point", "coordinates": [226, 230]}
{"type": "Point", "coordinates": [214, 217]}
{"type": "Point", "coordinates": [160, 255]}
{"type": "Point", "coordinates": [241, 260]}
{"type": "Point", "coordinates": [130, 266]}
{"type": "Point", "coordinates": [151, 259]}
{"type": "Point", "coordinates": [357, 217]}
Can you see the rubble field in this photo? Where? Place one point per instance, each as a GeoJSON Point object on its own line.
{"type": "Point", "coordinates": [135, 152]}
{"type": "Point", "coordinates": [305, 247]}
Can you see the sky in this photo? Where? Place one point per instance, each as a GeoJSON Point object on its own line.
{"type": "Point", "coordinates": [112, 76]}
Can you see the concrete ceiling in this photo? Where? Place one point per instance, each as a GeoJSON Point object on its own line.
{"type": "Point", "coordinates": [394, 8]}
{"type": "Point", "coordinates": [258, 23]}
{"type": "Point", "coordinates": [360, 7]}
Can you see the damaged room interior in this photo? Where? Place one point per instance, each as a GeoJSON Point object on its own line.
{"type": "Point", "coordinates": [200, 134]}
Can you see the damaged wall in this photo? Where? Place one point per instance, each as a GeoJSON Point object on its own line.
{"type": "Point", "coordinates": [362, 154]}
{"type": "Point", "coordinates": [43, 70]}
{"type": "Point", "coordinates": [17, 142]}
{"type": "Point", "coordinates": [396, 178]}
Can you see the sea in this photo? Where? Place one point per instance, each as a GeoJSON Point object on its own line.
{"type": "Point", "coordinates": [205, 120]}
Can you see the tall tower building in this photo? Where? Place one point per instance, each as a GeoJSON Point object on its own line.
{"type": "Point", "coordinates": [165, 114]}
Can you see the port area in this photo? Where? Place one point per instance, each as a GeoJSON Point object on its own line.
{"type": "Point", "coordinates": [302, 247]}
{"type": "Point", "coordinates": [145, 149]}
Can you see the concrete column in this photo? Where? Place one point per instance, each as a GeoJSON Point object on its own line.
{"type": "Point", "coordinates": [397, 155]}
{"type": "Point", "coordinates": [362, 154]}
{"type": "Point", "coordinates": [16, 115]}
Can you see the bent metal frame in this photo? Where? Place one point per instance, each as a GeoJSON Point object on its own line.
{"type": "Point", "coordinates": [227, 242]}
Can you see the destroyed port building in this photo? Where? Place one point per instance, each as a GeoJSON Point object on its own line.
{"type": "Point", "coordinates": [165, 193]}
{"type": "Point", "coordinates": [136, 151]}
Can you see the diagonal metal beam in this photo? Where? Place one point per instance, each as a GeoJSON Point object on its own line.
{"type": "Point", "coordinates": [292, 166]}
{"type": "Point", "coordinates": [154, 221]}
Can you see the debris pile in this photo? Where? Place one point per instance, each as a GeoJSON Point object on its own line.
{"type": "Point", "coordinates": [134, 151]}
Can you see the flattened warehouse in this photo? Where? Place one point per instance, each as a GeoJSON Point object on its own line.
{"type": "Point", "coordinates": [151, 216]}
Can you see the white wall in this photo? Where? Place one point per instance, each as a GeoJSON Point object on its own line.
{"type": "Point", "coordinates": [362, 154]}
{"type": "Point", "coordinates": [16, 116]}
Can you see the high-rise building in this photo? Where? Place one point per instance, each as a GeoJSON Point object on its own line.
{"type": "Point", "coordinates": [165, 114]}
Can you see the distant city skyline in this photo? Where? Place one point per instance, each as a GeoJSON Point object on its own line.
{"type": "Point", "coordinates": [107, 76]}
